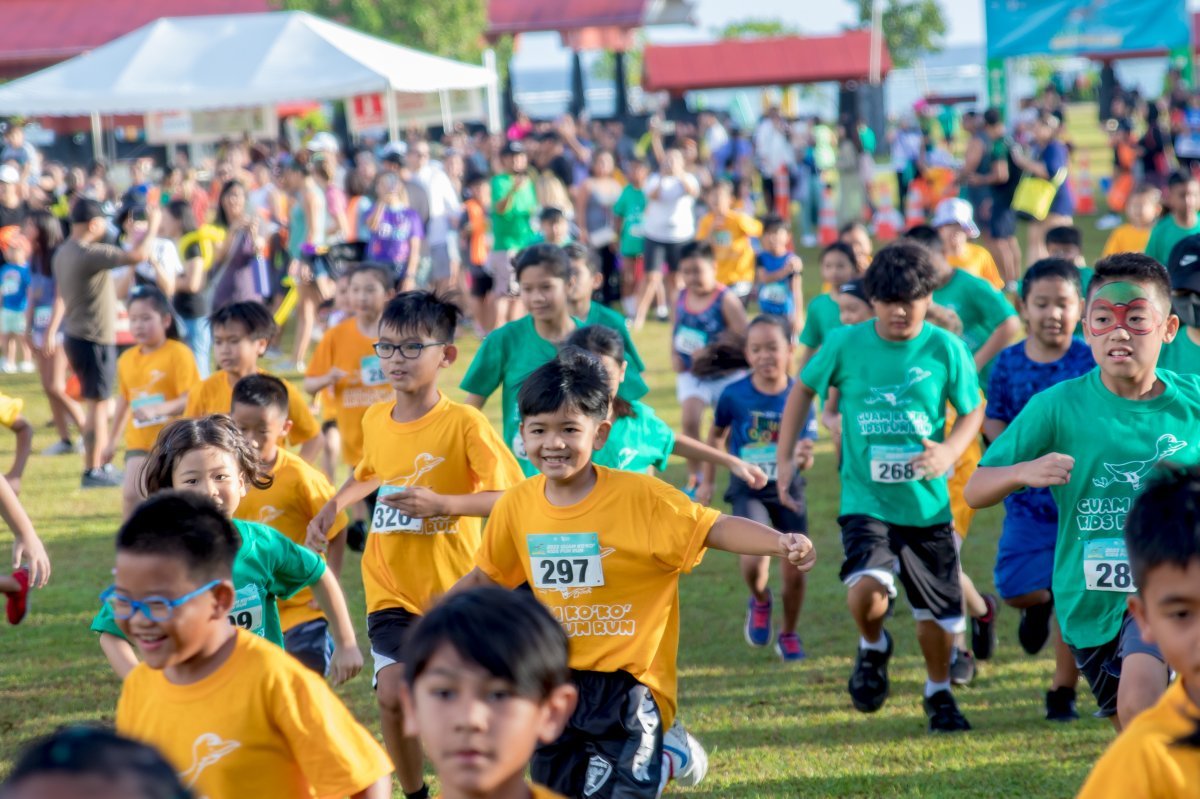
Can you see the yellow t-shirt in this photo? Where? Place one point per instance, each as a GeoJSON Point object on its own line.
{"type": "Point", "coordinates": [542, 792]}
{"type": "Point", "coordinates": [165, 374]}
{"type": "Point", "coordinates": [731, 244]}
{"type": "Point", "coordinates": [261, 725]}
{"type": "Point", "coordinates": [10, 410]}
{"type": "Point", "coordinates": [607, 568]}
{"type": "Point", "coordinates": [450, 450]}
{"type": "Point", "coordinates": [345, 347]}
{"type": "Point", "coordinates": [979, 262]}
{"type": "Point", "coordinates": [1126, 238]}
{"type": "Point", "coordinates": [297, 494]}
{"type": "Point", "coordinates": [1144, 761]}
{"type": "Point", "coordinates": [215, 395]}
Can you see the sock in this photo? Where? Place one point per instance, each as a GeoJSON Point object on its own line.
{"type": "Point", "coordinates": [420, 793]}
{"type": "Point", "coordinates": [932, 687]}
{"type": "Point", "coordinates": [878, 646]}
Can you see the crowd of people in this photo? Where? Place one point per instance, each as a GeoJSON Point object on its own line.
{"type": "Point", "coordinates": [155, 320]}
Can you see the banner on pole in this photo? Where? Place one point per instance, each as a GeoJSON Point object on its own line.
{"type": "Point", "coordinates": [367, 112]}
{"type": "Point", "coordinates": [1078, 27]}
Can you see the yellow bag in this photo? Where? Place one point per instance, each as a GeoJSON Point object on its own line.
{"type": "Point", "coordinates": [1034, 195]}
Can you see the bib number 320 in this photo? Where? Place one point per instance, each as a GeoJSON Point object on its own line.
{"type": "Point", "coordinates": [1106, 566]}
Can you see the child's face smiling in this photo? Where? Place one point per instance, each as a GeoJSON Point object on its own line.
{"type": "Point", "coordinates": [560, 444]}
{"type": "Point", "coordinates": [213, 473]}
{"type": "Point", "coordinates": [768, 352]}
{"type": "Point", "coordinates": [1126, 328]}
{"type": "Point", "coordinates": [1051, 312]}
{"type": "Point", "coordinates": [544, 294]}
{"type": "Point", "coordinates": [412, 375]}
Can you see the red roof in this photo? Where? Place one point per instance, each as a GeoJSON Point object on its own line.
{"type": "Point", "coordinates": [38, 33]}
{"type": "Point", "coordinates": [528, 16]}
{"type": "Point", "coordinates": [760, 62]}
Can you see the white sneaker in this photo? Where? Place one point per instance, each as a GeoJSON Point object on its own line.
{"type": "Point", "coordinates": [808, 240]}
{"type": "Point", "coordinates": [27, 367]}
{"type": "Point", "coordinates": [8, 367]}
{"type": "Point", "coordinates": [684, 759]}
{"type": "Point", "coordinates": [63, 448]}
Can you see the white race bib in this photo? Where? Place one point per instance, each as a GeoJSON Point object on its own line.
{"type": "Point", "coordinates": [144, 402]}
{"type": "Point", "coordinates": [247, 610]}
{"type": "Point", "coordinates": [1106, 566]}
{"type": "Point", "coordinates": [774, 294]}
{"type": "Point", "coordinates": [372, 371]}
{"type": "Point", "coordinates": [762, 456]}
{"type": "Point", "coordinates": [41, 316]}
{"type": "Point", "coordinates": [689, 340]}
{"type": "Point", "coordinates": [565, 560]}
{"type": "Point", "coordinates": [893, 463]}
{"type": "Point", "coordinates": [386, 519]}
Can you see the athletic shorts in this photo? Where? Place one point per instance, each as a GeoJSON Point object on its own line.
{"type": "Point", "coordinates": [328, 424]}
{"type": "Point", "coordinates": [926, 558]}
{"type": "Point", "coordinates": [764, 507]}
{"type": "Point", "coordinates": [1025, 556]}
{"type": "Point", "coordinates": [481, 282]}
{"type": "Point", "coordinates": [388, 630]}
{"type": "Point", "coordinates": [1101, 665]}
{"type": "Point", "coordinates": [687, 385]}
{"type": "Point", "coordinates": [311, 644]}
{"type": "Point", "coordinates": [662, 256]}
{"type": "Point", "coordinates": [94, 364]}
{"type": "Point", "coordinates": [504, 277]}
{"type": "Point", "coordinates": [1003, 224]}
{"type": "Point", "coordinates": [440, 258]}
{"type": "Point", "coordinates": [612, 745]}
{"type": "Point", "coordinates": [12, 322]}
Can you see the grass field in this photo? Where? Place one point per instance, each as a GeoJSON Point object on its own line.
{"type": "Point", "coordinates": [770, 730]}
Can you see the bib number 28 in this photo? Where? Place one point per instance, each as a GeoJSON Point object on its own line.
{"type": "Point", "coordinates": [1106, 566]}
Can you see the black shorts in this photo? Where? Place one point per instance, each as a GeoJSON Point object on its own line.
{"type": "Point", "coordinates": [764, 507]}
{"type": "Point", "coordinates": [311, 644]}
{"type": "Point", "coordinates": [926, 558]}
{"type": "Point", "coordinates": [612, 746]}
{"type": "Point", "coordinates": [328, 424]}
{"type": "Point", "coordinates": [662, 256]}
{"type": "Point", "coordinates": [388, 631]}
{"type": "Point", "coordinates": [1101, 665]}
{"type": "Point", "coordinates": [481, 282]}
{"type": "Point", "coordinates": [94, 364]}
{"type": "Point", "coordinates": [1003, 222]}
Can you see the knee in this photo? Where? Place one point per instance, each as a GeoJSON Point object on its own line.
{"type": "Point", "coordinates": [388, 690]}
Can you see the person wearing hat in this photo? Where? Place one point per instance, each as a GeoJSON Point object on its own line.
{"type": "Point", "coordinates": [955, 223]}
{"type": "Point", "coordinates": [514, 201]}
{"type": "Point", "coordinates": [13, 208]}
{"type": "Point", "coordinates": [1182, 354]}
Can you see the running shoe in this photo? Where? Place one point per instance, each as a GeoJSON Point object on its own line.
{"type": "Point", "coordinates": [685, 760]}
{"type": "Point", "coordinates": [1060, 705]}
{"type": "Point", "coordinates": [758, 622]}
{"type": "Point", "coordinates": [789, 648]}
{"type": "Point", "coordinates": [18, 601]}
{"type": "Point", "coordinates": [104, 477]}
{"type": "Point", "coordinates": [983, 630]}
{"type": "Point", "coordinates": [944, 715]}
{"type": "Point", "coordinates": [61, 447]}
{"type": "Point", "coordinates": [962, 667]}
{"type": "Point", "coordinates": [869, 685]}
{"type": "Point", "coordinates": [1034, 629]}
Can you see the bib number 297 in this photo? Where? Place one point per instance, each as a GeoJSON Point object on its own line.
{"type": "Point", "coordinates": [562, 571]}
{"type": "Point", "coordinates": [565, 560]}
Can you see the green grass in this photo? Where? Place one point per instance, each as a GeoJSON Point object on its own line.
{"type": "Point", "coordinates": [770, 730]}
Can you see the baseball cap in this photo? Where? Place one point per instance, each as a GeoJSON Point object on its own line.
{"type": "Point", "coordinates": [955, 211]}
{"type": "Point", "coordinates": [1183, 264]}
{"type": "Point", "coordinates": [9, 174]}
{"type": "Point", "coordinates": [512, 148]}
{"type": "Point", "coordinates": [323, 142]}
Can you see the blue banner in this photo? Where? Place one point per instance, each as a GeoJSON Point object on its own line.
{"type": "Point", "coordinates": [1078, 27]}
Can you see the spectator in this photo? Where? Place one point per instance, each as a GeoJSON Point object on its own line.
{"type": "Point", "coordinates": [594, 200]}
{"type": "Point", "coordinates": [439, 241]}
{"type": "Point", "coordinates": [13, 208]}
{"type": "Point", "coordinates": [1048, 157]}
{"type": "Point", "coordinates": [668, 222]}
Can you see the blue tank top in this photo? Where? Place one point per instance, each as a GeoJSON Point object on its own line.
{"type": "Point", "coordinates": [695, 330]}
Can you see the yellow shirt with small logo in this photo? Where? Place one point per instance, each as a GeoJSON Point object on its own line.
{"type": "Point", "coordinates": [607, 568]}
{"type": "Point", "coordinates": [215, 395]}
{"type": "Point", "coordinates": [732, 245]}
{"type": "Point", "coordinates": [297, 493]}
{"type": "Point", "coordinates": [365, 384]}
{"type": "Point", "coordinates": [262, 725]}
{"type": "Point", "coordinates": [165, 374]}
{"type": "Point", "coordinates": [979, 262]}
{"type": "Point", "coordinates": [451, 450]}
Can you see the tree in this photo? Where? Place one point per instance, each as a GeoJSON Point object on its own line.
{"type": "Point", "coordinates": [756, 28]}
{"type": "Point", "coordinates": [910, 27]}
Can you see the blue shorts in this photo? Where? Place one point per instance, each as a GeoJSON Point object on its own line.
{"type": "Point", "coordinates": [311, 644]}
{"type": "Point", "coordinates": [1025, 556]}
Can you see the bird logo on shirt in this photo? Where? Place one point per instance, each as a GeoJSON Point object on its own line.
{"type": "Point", "coordinates": [895, 395]}
{"type": "Point", "coordinates": [1134, 472]}
{"type": "Point", "coordinates": [155, 376]}
{"type": "Point", "coordinates": [268, 514]}
{"type": "Point", "coordinates": [422, 464]}
{"type": "Point", "coordinates": [626, 457]}
{"type": "Point", "coordinates": [208, 750]}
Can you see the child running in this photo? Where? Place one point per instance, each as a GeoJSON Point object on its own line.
{"type": "Point", "coordinates": [1051, 304]}
{"type": "Point", "coordinates": [1094, 441]}
{"type": "Point", "coordinates": [604, 550]}
{"type": "Point", "coordinates": [153, 381]}
{"type": "Point", "coordinates": [438, 467]}
{"type": "Point", "coordinates": [1183, 219]}
{"type": "Point", "coordinates": [896, 376]}
{"type": "Point", "coordinates": [586, 279]}
{"type": "Point", "coordinates": [780, 291]}
{"type": "Point", "coordinates": [209, 456]}
{"type": "Point", "coordinates": [1141, 209]}
{"type": "Point", "coordinates": [1181, 355]}
{"type": "Point", "coordinates": [234, 715]}
{"type": "Point", "coordinates": [729, 232]}
{"type": "Point", "coordinates": [31, 564]}
{"type": "Point", "coordinates": [838, 266]}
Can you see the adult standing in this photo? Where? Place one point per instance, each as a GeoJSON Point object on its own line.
{"type": "Point", "coordinates": [908, 153]}
{"type": "Point", "coordinates": [851, 191]}
{"type": "Point", "coordinates": [445, 207]}
{"type": "Point", "coordinates": [1002, 184]}
{"type": "Point", "coordinates": [1048, 159]}
{"type": "Point", "coordinates": [307, 266]}
{"type": "Point", "coordinates": [668, 223]}
{"type": "Point", "coordinates": [239, 274]}
{"type": "Point", "coordinates": [85, 307]}
{"type": "Point", "coordinates": [190, 300]}
{"type": "Point", "coordinates": [1153, 150]}
{"type": "Point", "coordinates": [514, 201]}
{"type": "Point", "coordinates": [594, 200]}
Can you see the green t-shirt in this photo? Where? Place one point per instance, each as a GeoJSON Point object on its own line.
{"type": "Point", "coordinates": [512, 230]}
{"type": "Point", "coordinates": [1165, 235]}
{"type": "Point", "coordinates": [507, 356]}
{"type": "Point", "coordinates": [980, 307]}
{"type": "Point", "coordinates": [637, 443]}
{"type": "Point", "coordinates": [630, 206]}
{"type": "Point", "coordinates": [268, 566]}
{"type": "Point", "coordinates": [894, 394]}
{"type": "Point", "coordinates": [823, 316]}
{"type": "Point", "coordinates": [1181, 356]}
{"type": "Point", "coordinates": [1115, 443]}
{"type": "Point", "coordinates": [600, 314]}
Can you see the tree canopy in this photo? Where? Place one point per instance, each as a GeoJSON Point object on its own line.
{"type": "Point", "coordinates": [911, 28]}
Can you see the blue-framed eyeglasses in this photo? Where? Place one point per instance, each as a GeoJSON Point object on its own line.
{"type": "Point", "coordinates": [154, 608]}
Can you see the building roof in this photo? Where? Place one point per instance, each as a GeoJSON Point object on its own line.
{"type": "Point", "coordinates": [527, 16]}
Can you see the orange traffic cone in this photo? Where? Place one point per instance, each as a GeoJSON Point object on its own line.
{"type": "Point", "coordinates": [827, 229]}
{"type": "Point", "coordinates": [914, 212]}
{"type": "Point", "coordinates": [1085, 197]}
{"type": "Point", "coordinates": [884, 226]}
{"type": "Point", "coordinates": [783, 194]}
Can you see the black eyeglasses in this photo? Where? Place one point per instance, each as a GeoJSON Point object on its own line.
{"type": "Point", "coordinates": [409, 350]}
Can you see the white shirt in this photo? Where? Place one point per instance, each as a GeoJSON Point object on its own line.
{"type": "Point", "coordinates": [444, 204]}
{"type": "Point", "coordinates": [670, 217]}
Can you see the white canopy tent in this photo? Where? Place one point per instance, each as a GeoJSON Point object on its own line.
{"type": "Point", "coordinates": [236, 60]}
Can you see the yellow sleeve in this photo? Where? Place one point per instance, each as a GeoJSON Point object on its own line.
{"type": "Point", "coordinates": [196, 399]}
{"type": "Point", "coordinates": [304, 426]}
{"type": "Point", "coordinates": [751, 226]}
{"type": "Point", "coordinates": [704, 227]}
{"type": "Point", "coordinates": [1112, 244]}
{"type": "Point", "coordinates": [366, 468]}
{"type": "Point", "coordinates": [490, 461]}
{"type": "Point", "coordinates": [322, 359]}
{"type": "Point", "coordinates": [1130, 767]}
{"type": "Point", "coordinates": [989, 271]}
{"type": "Point", "coordinates": [10, 410]}
{"type": "Point", "coordinates": [125, 372]}
{"type": "Point", "coordinates": [498, 556]}
{"type": "Point", "coordinates": [318, 491]}
{"type": "Point", "coordinates": [187, 373]}
{"type": "Point", "coordinates": [678, 528]}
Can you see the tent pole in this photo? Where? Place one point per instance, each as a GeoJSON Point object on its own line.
{"type": "Point", "coordinates": [97, 132]}
{"type": "Point", "coordinates": [493, 94]}
{"type": "Point", "coordinates": [393, 122]}
{"type": "Point", "coordinates": [447, 120]}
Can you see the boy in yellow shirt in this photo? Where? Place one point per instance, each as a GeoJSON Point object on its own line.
{"type": "Point", "coordinates": [241, 332]}
{"type": "Point", "coordinates": [730, 231]}
{"type": "Point", "coordinates": [234, 714]}
{"type": "Point", "coordinates": [471, 647]}
{"type": "Point", "coordinates": [603, 550]}
{"type": "Point", "coordinates": [438, 467]}
{"type": "Point", "coordinates": [1158, 754]}
{"type": "Point", "coordinates": [297, 493]}
{"type": "Point", "coordinates": [1141, 209]}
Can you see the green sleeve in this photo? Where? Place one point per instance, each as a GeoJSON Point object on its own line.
{"type": "Point", "coordinates": [663, 437]}
{"type": "Point", "coordinates": [619, 206]}
{"type": "Point", "coordinates": [293, 567]}
{"type": "Point", "coordinates": [963, 383]}
{"type": "Point", "coordinates": [994, 307]}
{"type": "Point", "coordinates": [632, 387]}
{"type": "Point", "coordinates": [820, 373]}
{"type": "Point", "coordinates": [1153, 244]}
{"type": "Point", "coordinates": [813, 334]}
{"type": "Point", "coordinates": [105, 623]}
{"type": "Point", "coordinates": [1029, 436]}
{"type": "Point", "coordinates": [631, 353]}
{"type": "Point", "coordinates": [486, 372]}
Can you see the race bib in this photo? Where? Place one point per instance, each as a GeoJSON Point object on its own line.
{"type": "Point", "coordinates": [1106, 566]}
{"type": "Point", "coordinates": [762, 456]}
{"type": "Point", "coordinates": [565, 560]}
{"type": "Point", "coordinates": [145, 402]}
{"type": "Point", "coordinates": [635, 230]}
{"type": "Point", "coordinates": [41, 316]}
{"type": "Point", "coordinates": [774, 294]}
{"type": "Point", "coordinates": [11, 286]}
{"type": "Point", "coordinates": [893, 463]}
{"type": "Point", "coordinates": [387, 519]}
{"type": "Point", "coordinates": [247, 610]}
{"type": "Point", "coordinates": [372, 371]}
{"type": "Point", "coordinates": [689, 340]}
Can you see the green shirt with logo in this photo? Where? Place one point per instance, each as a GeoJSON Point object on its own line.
{"type": "Point", "coordinates": [637, 443]}
{"type": "Point", "coordinates": [823, 317]}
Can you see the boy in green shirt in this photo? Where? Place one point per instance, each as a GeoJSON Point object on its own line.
{"type": "Point", "coordinates": [1183, 199]}
{"type": "Point", "coordinates": [628, 217]}
{"type": "Point", "coordinates": [586, 280]}
{"type": "Point", "coordinates": [513, 203]}
{"type": "Point", "coordinates": [895, 376]}
{"type": "Point", "coordinates": [1094, 441]}
{"type": "Point", "coordinates": [1182, 355]}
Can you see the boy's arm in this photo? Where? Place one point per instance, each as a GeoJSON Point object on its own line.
{"type": "Point", "coordinates": [473, 579]}
{"type": "Point", "coordinates": [717, 436]}
{"type": "Point", "coordinates": [991, 484]}
{"type": "Point", "coordinates": [120, 654]}
{"type": "Point", "coordinates": [23, 430]}
{"type": "Point", "coordinates": [347, 659]}
{"type": "Point", "coordinates": [794, 419]}
{"type": "Point", "coordinates": [380, 789]}
{"type": "Point", "coordinates": [746, 537]}
{"type": "Point", "coordinates": [939, 458]}
{"type": "Point", "coordinates": [57, 313]}
{"type": "Point", "coordinates": [734, 313]}
{"type": "Point", "coordinates": [311, 449]}
{"type": "Point", "coordinates": [27, 547]}
{"type": "Point", "coordinates": [1001, 337]}
{"type": "Point", "coordinates": [419, 502]}
{"type": "Point", "coordinates": [352, 491]}
{"type": "Point", "coordinates": [475, 400]}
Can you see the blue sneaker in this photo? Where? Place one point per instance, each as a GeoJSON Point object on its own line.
{"type": "Point", "coordinates": [758, 622]}
{"type": "Point", "coordinates": [789, 647]}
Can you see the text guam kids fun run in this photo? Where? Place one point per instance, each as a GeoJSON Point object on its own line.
{"type": "Point", "coordinates": [900, 423]}
{"type": "Point", "coordinates": [1105, 513]}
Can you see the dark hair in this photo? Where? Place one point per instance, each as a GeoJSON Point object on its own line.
{"type": "Point", "coordinates": [697, 249]}
{"type": "Point", "coordinates": [186, 525]}
{"type": "Point", "coordinates": [381, 273]}
{"type": "Point", "coordinates": [1178, 178]}
{"type": "Point", "coordinates": [1133, 266]}
{"type": "Point", "coordinates": [422, 312]}
{"type": "Point", "coordinates": [1051, 269]}
{"type": "Point", "coordinates": [251, 315]}
{"type": "Point", "coordinates": [49, 236]}
{"type": "Point", "coordinates": [992, 117]}
{"type": "Point", "coordinates": [577, 252]}
{"type": "Point", "coordinates": [771, 223]}
{"type": "Point", "coordinates": [181, 210]}
{"type": "Point", "coordinates": [551, 214]}
{"type": "Point", "coordinates": [261, 391]}
{"type": "Point", "coordinates": [601, 340]}
{"type": "Point", "coordinates": [772, 320]}
{"type": "Point", "coordinates": [160, 303]}
{"type": "Point", "coordinates": [901, 272]}
{"type": "Point", "coordinates": [1066, 235]}
{"type": "Point", "coordinates": [184, 435]}
{"type": "Point", "coordinates": [85, 210]}
{"type": "Point", "coordinates": [220, 219]}
{"type": "Point", "coordinates": [843, 248]}
{"type": "Point", "coordinates": [300, 167]}
{"type": "Point", "coordinates": [548, 256]}
{"type": "Point", "coordinates": [508, 634]}
{"type": "Point", "coordinates": [98, 752]}
{"type": "Point", "coordinates": [855, 225]}
{"type": "Point", "coordinates": [925, 235]}
{"type": "Point", "coordinates": [574, 380]}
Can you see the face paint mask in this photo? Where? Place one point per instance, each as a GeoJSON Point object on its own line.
{"type": "Point", "coordinates": [1123, 305]}
{"type": "Point", "coordinates": [1186, 305]}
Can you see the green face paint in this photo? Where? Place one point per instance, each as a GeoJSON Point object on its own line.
{"type": "Point", "coordinates": [1120, 292]}
{"type": "Point", "coordinates": [1124, 305]}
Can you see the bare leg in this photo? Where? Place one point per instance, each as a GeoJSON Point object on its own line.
{"type": "Point", "coordinates": [1066, 673]}
{"type": "Point", "coordinates": [405, 750]}
{"type": "Point", "coordinates": [95, 433]}
{"type": "Point", "coordinates": [794, 584]}
{"type": "Point", "coordinates": [693, 415]}
{"type": "Point", "coordinates": [868, 602]}
{"type": "Point", "coordinates": [936, 645]}
{"type": "Point", "coordinates": [756, 571]}
{"type": "Point", "coordinates": [306, 317]}
{"type": "Point", "coordinates": [973, 605]}
{"type": "Point", "coordinates": [131, 490]}
{"type": "Point", "coordinates": [1143, 681]}
{"type": "Point", "coordinates": [651, 284]}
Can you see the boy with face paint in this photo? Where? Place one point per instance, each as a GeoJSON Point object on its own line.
{"type": "Point", "coordinates": [1094, 442]}
{"type": "Point", "coordinates": [1183, 354]}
